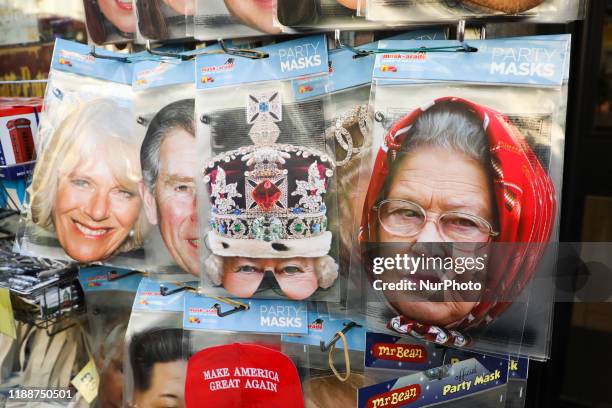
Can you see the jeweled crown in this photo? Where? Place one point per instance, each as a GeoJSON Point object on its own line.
{"type": "Point", "coordinates": [268, 191]}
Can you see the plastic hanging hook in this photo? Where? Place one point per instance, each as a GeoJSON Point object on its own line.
{"type": "Point", "coordinates": [238, 306]}
{"type": "Point", "coordinates": [164, 54]}
{"type": "Point", "coordinates": [236, 309]}
{"type": "Point", "coordinates": [461, 47]}
{"type": "Point", "coordinates": [165, 291]}
{"type": "Point", "coordinates": [94, 54]}
{"type": "Point", "coordinates": [347, 327]}
{"type": "Point", "coordinates": [240, 52]}
{"type": "Point", "coordinates": [358, 53]}
{"type": "Point", "coordinates": [115, 276]}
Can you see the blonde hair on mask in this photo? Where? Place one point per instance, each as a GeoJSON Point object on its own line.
{"type": "Point", "coordinates": [99, 129]}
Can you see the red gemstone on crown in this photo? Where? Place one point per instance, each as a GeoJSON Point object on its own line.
{"type": "Point", "coordinates": [312, 192]}
{"type": "Point", "coordinates": [266, 195]}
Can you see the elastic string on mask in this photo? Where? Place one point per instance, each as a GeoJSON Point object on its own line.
{"type": "Point", "coordinates": [347, 360]}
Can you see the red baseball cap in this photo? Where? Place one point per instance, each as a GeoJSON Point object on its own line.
{"type": "Point", "coordinates": [242, 376]}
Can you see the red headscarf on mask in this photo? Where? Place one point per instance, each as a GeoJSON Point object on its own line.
{"type": "Point", "coordinates": [526, 207]}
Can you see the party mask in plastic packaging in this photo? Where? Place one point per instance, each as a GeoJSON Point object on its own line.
{"type": "Point", "coordinates": [234, 19]}
{"type": "Point", "coordinates": [461, 202]}
{"type": "Point", "coordinates": [164, 119]}
{"type": "Point", "coordinates": [265, 201]}
{"type": "Point", "coordinates": [110, 21]}
{"type": "Point", "coordinates": [397, 12]}
{"type": "Point", "coordinates": [84, 203]}
{"type": "Point", "coordinates": [164, 20]}
{"type": "Point", "coordinates": [323, 14]}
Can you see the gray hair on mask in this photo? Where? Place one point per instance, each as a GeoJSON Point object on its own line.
{"type": "Point", "coordinates": [449, 125]}
{"type": "Point", "coordinates": [177, 115]}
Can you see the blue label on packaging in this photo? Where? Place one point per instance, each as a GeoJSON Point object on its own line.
{"type": "Point", "coordinates": [149, 297]}
{"type": "Point", "coordinates": [291, 59]}
{"type": "Point", "coordinates": [168, 71]}
{"type": "Point", "coordinates": [262, 316]}
{"type": "Point", "coordinates": [401, 353]}
{"type": "Point", "coordinates": [104, 278]}
{"type": "Point", "coordinates": [560, 37]}
{"type": "Point", "coordinates": [322, 327]}
{"type": "Point", "coordinates": [521, 62]}
{"type": "Point", "coordinates": [16, 171]}
{"type": "Point", "coordinates": [152, 74]}
{"type": "Point", "coordinates": [309, 87]}
{"type": "Point", "coordinates": [437, 385]}
{"type": "Point", "coordinates": [517, 366]}
{"type": "Point", "coordinates": [346, 71]}
{"type": "Point", "coordinates": [69, 56]}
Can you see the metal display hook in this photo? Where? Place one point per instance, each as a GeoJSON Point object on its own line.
{"type": "Point", "coordinates": [227, 312]}
{"type": "Point", "coordinates": [461, 47]}
{"type": "Point", "coordinates": [358, 52]}
{"type": "Point", "coordinates": [165, 291]}
{"type": "Point", "coordinates": [347, 327]}
{"type": "Point", "coordinates": [165, 54]}
{"type": "Point", "coordinates": [238, 306]}
{"type": "Point", "coordinates": [95, 54]}
{"type": "Point", "coordinates": [241, 52]}
{"type": "Point", "coordinates": [115, 276]}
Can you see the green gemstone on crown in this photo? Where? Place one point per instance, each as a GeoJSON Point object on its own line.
{"type": "Point", "coordinates": [267, 229]}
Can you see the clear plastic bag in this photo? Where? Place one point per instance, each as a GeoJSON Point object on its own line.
{"type": "Point", "coordinates": [216, 19]}
{"type": "Point", "coordinates": [109, 21]}
{"type": "Point", "coordinates": [532, 113]}
{"type": "Point", "coordinates": [154, 362]}
{"type": "Point", "coordinates": [322, 15]}
{"type": "Point", "coordinates": [164, 20]}
{"type": "Point", "coordinates": [164, 119]}
{"type": "Point", "coordinates": [265, 195]}
{"type": "Point", "coordinates": [397, 12]}
{"type": "Point", "coordinates": [107, 324]}
{"type": "Point", "coordinates": [478, 381]}
{"type": "Point", "coordinates": [84, 203]}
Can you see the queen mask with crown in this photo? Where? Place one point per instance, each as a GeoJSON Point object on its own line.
{"type": "Point", "coordinates": [268, 215]}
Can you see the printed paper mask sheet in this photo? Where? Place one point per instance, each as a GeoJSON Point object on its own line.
{"type": "Point", "coordinates": [265, 205]}
{"type": "Point", "coordinates": [164, 119]}
{"type": "Point", "coordinates": [406, 11]}
{"type": "Point", "coordinates": [84, 202]}
{"type": "Point", "coordinates": [110, 21]}
{"type": "Point", "coordinates": [234, 18]}
{"type": "Point", "coordinates": [322, 15]}
{"type": "Point", "coordinates": [269, 208]}
{"type": "Point", "coordinates": [163, 20]}
{"type": "Point", "coordinates": [154, 364]}
{"type": "Point", "coordinates": [489, 168]}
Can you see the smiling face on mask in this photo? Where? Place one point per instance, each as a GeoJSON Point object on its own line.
{"type": "Point", "coordinates": [352, 4]}
{"type": "Point", "coordinates": [120, 13]}
{"type": "Point", "coordinates": [186, 7]}
{"type": "Point", "coordinates": [454, 190]}
{"type": "Point", "coordinates": [172, 204]}
{"type": "Point", "coordinates": [93, 213]}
